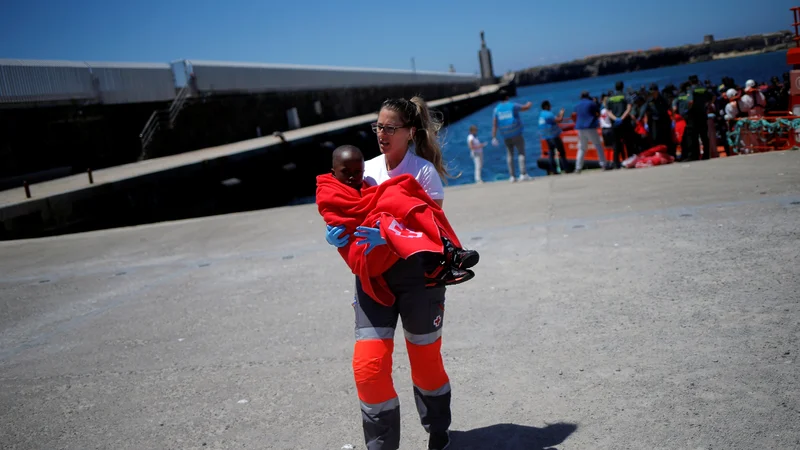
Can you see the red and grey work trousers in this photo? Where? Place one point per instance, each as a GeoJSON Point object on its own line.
{"type": "Point", "coordinates": [422, 314]}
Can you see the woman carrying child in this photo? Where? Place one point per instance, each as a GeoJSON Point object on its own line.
{"type": "Point", "coordinates": [402, 124]}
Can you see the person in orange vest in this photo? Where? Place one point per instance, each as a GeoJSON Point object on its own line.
{"type": "Point", "coordinates": [680, 107]}
{"type": "Point", "coordinates": [754, 100]}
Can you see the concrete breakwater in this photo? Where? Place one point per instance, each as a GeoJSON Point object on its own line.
{"type": "Point", "coordinates": [252, 174]}
{"type": "Point", "coordinates": [61, 117]}
{"type": "Point", "coordinates": [631, 61]}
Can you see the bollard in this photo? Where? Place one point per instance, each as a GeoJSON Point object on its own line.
{"type": "Point", "coordinates": [27, 189]}
{"type": "Point", "coordinates": [91, 178]}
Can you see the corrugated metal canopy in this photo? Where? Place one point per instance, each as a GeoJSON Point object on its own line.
{"type": "Point", "coordinates": [26, 81]}
{"type": "Point", "coordinates": [250, 65]}
{"type": "Point", "coordinates": [129, 65]}
{"type": "Point", "coordinates": [41, 63]}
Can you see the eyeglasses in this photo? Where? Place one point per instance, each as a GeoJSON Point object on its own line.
{"type": "Point", "coordinates": [388, 129]}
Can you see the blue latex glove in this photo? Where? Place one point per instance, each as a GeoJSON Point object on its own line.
{"type": "Point", "coordinates": [618, 122]}
{"type": "Point", "coordinates": [333, 238]}
{"type": "Point", "coordinates": [372, 237]}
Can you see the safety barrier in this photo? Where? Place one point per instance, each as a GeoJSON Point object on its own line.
{"type": "Point", "coordinates": [764, 134]}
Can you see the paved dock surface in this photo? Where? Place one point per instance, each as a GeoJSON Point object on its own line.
{"type": "Point", "coordinates": [644, 309]}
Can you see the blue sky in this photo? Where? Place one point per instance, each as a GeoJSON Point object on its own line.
{"type": "Point", "coordinates": [520, 33]}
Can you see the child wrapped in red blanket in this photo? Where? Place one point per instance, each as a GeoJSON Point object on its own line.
{"type": "Point", "coordinates": [409, 220]}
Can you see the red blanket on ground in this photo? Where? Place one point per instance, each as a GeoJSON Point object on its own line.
{"type": "Point", "coordinates": [655, 156]}
{"type": "Point", "coordinates": [410, 222]}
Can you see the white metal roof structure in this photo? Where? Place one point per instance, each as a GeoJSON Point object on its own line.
{"type": "Point", "coordinates": [42, 81]}
{"type": "Point", "coordinates": [219, 76]}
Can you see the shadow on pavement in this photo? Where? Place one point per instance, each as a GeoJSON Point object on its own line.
{"type": "Point", "coordinates": [508, 436]}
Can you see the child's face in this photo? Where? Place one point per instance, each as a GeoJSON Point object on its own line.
{"type": "Point", "coordinates": [349, 169]}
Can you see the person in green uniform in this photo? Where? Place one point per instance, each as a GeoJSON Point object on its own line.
{"type": "Point", "coordinates": [619, 111]}
{"type": "Point", "coordinates": [698, 99]}
{"type": "Point", "coordinates": [658, 120]}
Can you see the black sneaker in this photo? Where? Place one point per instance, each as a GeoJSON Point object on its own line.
{"type": "Point", "coordinates": [439, 441]}
{"type": "Point", "coordinates": [458, 257]}
{"type": "Point", "coordinates": [447, 276]}
{"type": "Point", "coordinates": [464, 259]}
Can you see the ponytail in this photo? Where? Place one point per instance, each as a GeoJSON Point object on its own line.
{"type": "Point", "coordinates": [426, 137]}
{"type": "Point", "coordinates": [415, 113]}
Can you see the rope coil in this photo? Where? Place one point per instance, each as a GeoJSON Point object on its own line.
{"type": "Point", "coordinates": [774, 126]}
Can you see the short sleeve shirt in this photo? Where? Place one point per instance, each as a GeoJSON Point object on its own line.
{"type": "Point", "coordinates": [548, 127]}
{"type": "Point", "coordinates": [617, 104]}
{"type": "Point", "coordinates": [508, 122]}
{"type": "Point", "coordinates": [587, 112]}
{"type": "Point", "coordinates": [422, 170]}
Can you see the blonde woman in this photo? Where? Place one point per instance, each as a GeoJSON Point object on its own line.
{"type": "Point", "coordinates": [407, 136]}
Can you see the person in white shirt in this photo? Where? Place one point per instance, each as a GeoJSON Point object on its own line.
{"type": "Point", "coordinates": [476, 151]}
{"type": "Point", "coordinates": [605, 123]}
{"type": "Point", "coordinates": [732, 108]}
{"type": "Point", "coordinates": [408, 140]}
{"type": "Point", "coordinates": [753, 101]}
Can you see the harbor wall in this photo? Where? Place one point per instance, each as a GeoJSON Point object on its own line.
{"type": "Point", "coordinates": [265, 173]}
{"type": "Point", "coordinates": [63, 117]}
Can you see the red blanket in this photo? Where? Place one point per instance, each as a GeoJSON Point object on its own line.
{"type": "Point", "coordinates": [410, 222]}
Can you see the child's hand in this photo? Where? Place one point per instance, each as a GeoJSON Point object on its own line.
{"type": "Point", "coordinates": [333, 238]}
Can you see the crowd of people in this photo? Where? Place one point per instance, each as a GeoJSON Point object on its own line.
{"type": "Point", "coordinates": [695, 115]}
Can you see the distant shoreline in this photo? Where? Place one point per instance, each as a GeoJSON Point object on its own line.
{"type": "Point", "coordinates": [730, 55]}
{"type": "Point", "coordinates": [656, 58]}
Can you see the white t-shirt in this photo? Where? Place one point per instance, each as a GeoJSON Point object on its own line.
{"type": "Point", "coordinates": [422, 170]}
{"type": "Point", "coordinates": [605, 121]}
{"type": "Point", "coordinates": [472, 138]}
{"type": "Point", "coordinates": [731, 111]}
{"type": "Point", "coordinates": [746, 103]}
{"type": "Point", "coordinates": [751, 100]}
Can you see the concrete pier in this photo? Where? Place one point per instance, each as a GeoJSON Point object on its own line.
{"type": "Point", "coordinates": [159, 187]}
{"type": "Point", "coordinates": [643, 309]}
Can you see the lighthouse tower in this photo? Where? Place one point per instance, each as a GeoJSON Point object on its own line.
{"type": "Point", "coordinates": [485, 59]}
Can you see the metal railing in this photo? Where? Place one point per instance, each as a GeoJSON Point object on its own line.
{"type": "Point", "coordinates": [764, 134]}
{"type": "Point", "coordinates": [177, 105]}
{"type": "Point", "coordinates": [161, 118]}
{"type": "Point", "coordinates": [149, 130]}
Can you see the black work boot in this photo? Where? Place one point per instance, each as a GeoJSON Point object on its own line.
{"type": "Point", "coordinates": [439, 441]}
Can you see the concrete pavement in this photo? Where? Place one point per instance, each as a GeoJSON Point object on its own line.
{"type": "Point", "coordinates": [643, 309]}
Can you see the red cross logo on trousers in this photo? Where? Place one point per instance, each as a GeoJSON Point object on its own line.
{"type": "Point", "coordinates": [437, 321]}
